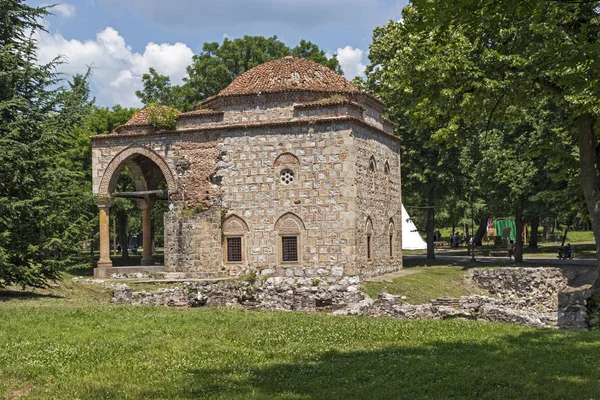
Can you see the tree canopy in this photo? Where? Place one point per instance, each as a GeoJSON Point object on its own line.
{"type": "Point", "coordinates": [218, 65]}
{"type": "Point", "coordinates": [540, 49]}
{"type": "Point", "coordinates": [460, 79]}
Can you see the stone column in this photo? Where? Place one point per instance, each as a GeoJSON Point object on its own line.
{"type": "Point", "coordinates": [104, 261]}
{"type": "Point", "coordinates": [146, 207]}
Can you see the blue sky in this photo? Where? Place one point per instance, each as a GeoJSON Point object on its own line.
{"type": "Point", "coordinates": [121, 39]}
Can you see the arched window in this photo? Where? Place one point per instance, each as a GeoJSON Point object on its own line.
{"type": "Point", "coordinates": [388, 180]}
{"type": "Point", "coordinates": [234, 233]}
{"type": "Point", "coordinates": [289, 228]}
{"type": "Point", "coordinates": [391, 231]}
{"type": "Point", "coordinates": [369, 236]}
{"type": "Point", "coordinates": [372, 169]}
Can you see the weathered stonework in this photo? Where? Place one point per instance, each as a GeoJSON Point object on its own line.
{"type": "Point", "coordinates": [302, 151]}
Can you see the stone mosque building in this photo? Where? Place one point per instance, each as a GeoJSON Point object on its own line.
{"type": "Point", "coordinates": [289, 171]}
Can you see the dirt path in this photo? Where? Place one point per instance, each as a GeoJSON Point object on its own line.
{"type": "Point", "coordinates": [393, 275]}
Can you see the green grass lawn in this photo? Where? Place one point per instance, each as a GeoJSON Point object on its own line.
{"type": "Point", "coordinates": [69, 343]}
{"type": "Point", "coordinates": [427, 284]}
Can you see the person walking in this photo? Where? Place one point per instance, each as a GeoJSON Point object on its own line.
{"type": "Point", "coordinates": [511, 250]}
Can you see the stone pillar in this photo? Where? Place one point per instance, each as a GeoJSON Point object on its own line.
{"type": "Point", "coordinates": [146, 207]}
{"type": "Point", "coordinates": [104, 261]}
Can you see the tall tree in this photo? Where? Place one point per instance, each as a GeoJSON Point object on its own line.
{"type": "Point", "coordinates": [405, 64]}
{"type": "Point", "coordinates": [547, 45]}
{"type": "Point", "coordinates": [42, 211]}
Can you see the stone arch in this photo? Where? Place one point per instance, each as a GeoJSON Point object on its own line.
{"type": "Point", "coordinates": [234, 226]}
{"type": "Point", "coordinates": [372, 164]}
{"type": "Point", "coordinates": [111, 172]}
{"type": "Point", "coordinates": [372, 169]}
{"type": "Point", "coordinates": [391, 226]}
{"type": "Point", "coordinates": [391, 237]}
{"type": "Point", "coordinates": [286, 158]}
{"type": "Point", "coordinates": [369, 239]}
{"type": "Point", "coordinates": [388, 178]}
{"type": "Point", "coordinates": [289, 223]}
{"type": "Point", "coordinates": [136, 174]}
{"type": "Point", "coordinates": [369, 226]}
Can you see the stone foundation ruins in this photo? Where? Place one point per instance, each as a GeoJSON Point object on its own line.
{"type": "Point", "coordinates": [529, 296]}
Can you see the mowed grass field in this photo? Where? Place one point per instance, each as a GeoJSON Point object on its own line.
{"type": "Point", "coordinates": [70, 343]}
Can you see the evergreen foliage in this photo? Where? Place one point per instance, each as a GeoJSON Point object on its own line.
{"type": "Point", "coordinates": [43, 204]}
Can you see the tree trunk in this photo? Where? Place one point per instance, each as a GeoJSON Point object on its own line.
{"type": "Point", "coordinates": [519, 232]}
{"type": "Point", "coordinates": [481, 230]}
{"type": "Point", "coordinates": [123, 237]}
{"type": "Point", "coordinates": [430, 223]}
{"type": "Point", "coordinates": [589, 159]}
{"type": "Point", "coordinates": [565, 235]}
{"type": "Point", "coordinates": [533, 239]}
{"type": "Point", "coordinates": [546, 233]}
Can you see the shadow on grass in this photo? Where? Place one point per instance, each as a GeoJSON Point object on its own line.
{"type": "Point", "coordinates": [408, 263]}
{"type": "Point", "coordinates": [534, 365]}
{"type": "Point", "coordinates": [7, 295]}
{"type": "Point", "coordinates": [82, 271]}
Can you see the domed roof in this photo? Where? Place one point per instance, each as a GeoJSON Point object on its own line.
{"type": "Point", "coordinates": [286, 75]}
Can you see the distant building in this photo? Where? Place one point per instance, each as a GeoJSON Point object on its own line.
{"type": "Point", "coordinates": [288, 171]}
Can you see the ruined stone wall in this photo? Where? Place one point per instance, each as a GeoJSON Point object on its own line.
{"type": "Point", "coordinates": [378, 202]}
{"type": "Point", "coordinates": [193, 242]}
{"type": "Point", "coordinates": [320, 196]}
{"type": "Point", "coordinates": [192, 158]}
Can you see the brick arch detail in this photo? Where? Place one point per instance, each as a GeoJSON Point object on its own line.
{"type": "Point", "coordinates": [234, 225]}
{"type": "Point", "coordinates": [286, 158]}
{"type": "Point", "coordinates": [122, 157]}
{"type": "Point", "coordinates": [290, 223]}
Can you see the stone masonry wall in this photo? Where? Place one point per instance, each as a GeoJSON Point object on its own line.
{"type": "Point", "coordinates": [320, 196]}
{"type": "Point", "coordinates": [380, 202]}
{"type": "Point", "coordinates": [535, 288]}
{"type": "Point", "coordinates": [193, 243]}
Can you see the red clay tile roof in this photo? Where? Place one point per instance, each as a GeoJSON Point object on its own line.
{"type": "Point", "coordinates": [288, 74]}
{"type": "Point", "coordinates": [141, 118]}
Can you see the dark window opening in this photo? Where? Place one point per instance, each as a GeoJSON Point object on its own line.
{"type": "Point", "coordinates": [368, 247]}
{"type": "Point", "coordinates": [289, 248]}
{"type": "Point", "coordinates": [391, 245]}
{"type": "Point", "coordinates": [234, 249]}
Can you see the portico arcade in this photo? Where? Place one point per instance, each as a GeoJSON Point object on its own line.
{"type": "Point", "coordinates": [148, 170]}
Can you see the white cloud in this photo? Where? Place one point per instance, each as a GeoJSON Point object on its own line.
{"type": "Point", "coordinates": [116, 69]}
{"type": "Point", "coordinates": [65, 9]}
{"type": "Point", "coordinates": [351, 61]}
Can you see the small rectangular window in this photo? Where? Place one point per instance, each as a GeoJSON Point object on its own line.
{"type": "Point", "coordinates": [234, 249]}
{"type": "Point", "coordinates": [368, 247]}
{"type": "Point", "coordinates": [391, 246]}
{"type": "Point", "coordinates": [289, 248]}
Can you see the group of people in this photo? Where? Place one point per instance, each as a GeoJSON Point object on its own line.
{"type": "Point", "coordinates": [455, 238]}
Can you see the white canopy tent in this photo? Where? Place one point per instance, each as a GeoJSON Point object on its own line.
{"type": "Point", "coordinates": [411, 240]}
